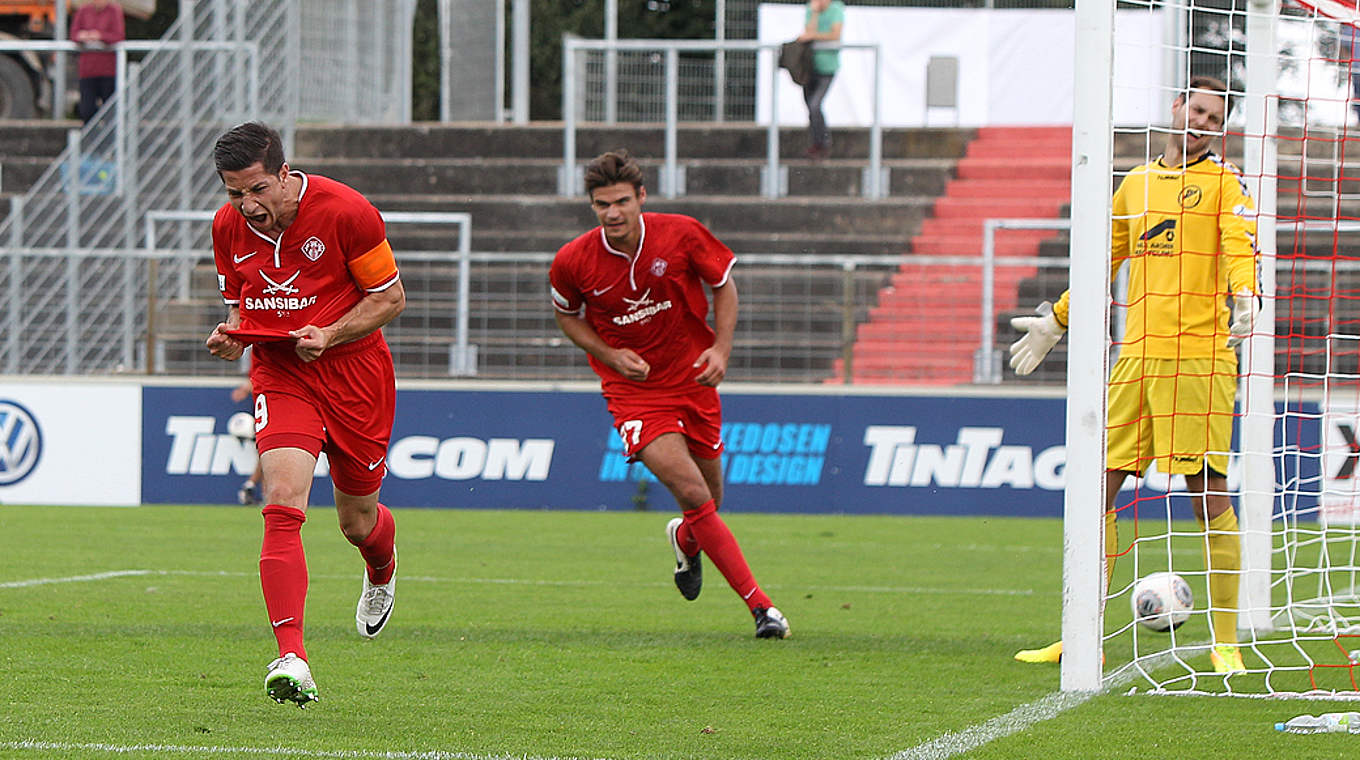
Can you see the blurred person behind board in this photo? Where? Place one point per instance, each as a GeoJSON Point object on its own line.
{"type": "Point", "coordinates": [96, 26]}
{"type": "Point", "coordinates": [249, 493]}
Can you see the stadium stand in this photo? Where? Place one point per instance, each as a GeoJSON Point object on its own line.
{"type": "Point", "coordinates": [27, 149]}
{"type": "Point", "coordinates": [927, 323]}
{"type": "Point", "coordinates": [915, 325]}
{"type": "Point", "coordinates": [506, 178]}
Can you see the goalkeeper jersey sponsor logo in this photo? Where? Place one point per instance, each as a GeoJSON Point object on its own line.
{"type": "Point", "coordinates": [1159, 239]}
{"type": "Point", "coordinates": [1165, 227]}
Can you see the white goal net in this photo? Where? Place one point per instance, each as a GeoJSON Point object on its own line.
{"type": "Point", "coordinates": [1291, 557]}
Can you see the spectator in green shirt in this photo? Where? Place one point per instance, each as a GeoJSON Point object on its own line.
{"type": "Point", "coordinates": [823, 24]}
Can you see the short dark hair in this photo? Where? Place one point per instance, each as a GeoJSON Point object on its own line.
{"type": "Point", "coordinates": [612, 168]}
{"type": "Point", "coordinates": [246, 144]}
{"type": "Point", "coordinates": [1212, 86]}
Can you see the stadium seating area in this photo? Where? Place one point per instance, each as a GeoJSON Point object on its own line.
{"type": "Point", "coordinates": [911, 324]}
{"type": "Point", "coordinates": [507, 178]}
{"type": "Point", "coordinates": [933, 314]}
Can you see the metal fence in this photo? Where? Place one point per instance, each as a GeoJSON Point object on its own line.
{"type": "Point", "coordinates": [483, 314]}
{"type": "Point", "coordinates": [669, 81]}
{"type": "Point", "coordinates": [221, 62]}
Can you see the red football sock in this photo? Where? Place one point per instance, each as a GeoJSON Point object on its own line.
{"type": "Point", "coordinates": [720, 545]}
{"type": "Point", "coordinates": [688, 543]}
{"type": "Point", "coordinates": [283, 575]}
{"type": "Point", "coordinates": [378, 549]}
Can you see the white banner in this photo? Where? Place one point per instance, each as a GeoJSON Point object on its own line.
{"type": "Point", "coordinates": [70, 443]}
{"type": "Point", "coordinates": [1015, 66]}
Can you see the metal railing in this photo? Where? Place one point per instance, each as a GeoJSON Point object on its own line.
{"type": "Point", "coordinates": [672, 174]}
{"type": "Point", "coordinates": [150, 146]}
{"type": "Point", "coordinates": [462, 355]}
{"type": "Point", "coordinates": [804, 318]}
{"type": "Point", "coordinates": [987, 359]}
{"type": "Point", "coordinates": [467, 313]}
{"type": "Point", "coordinates": [368, 80]}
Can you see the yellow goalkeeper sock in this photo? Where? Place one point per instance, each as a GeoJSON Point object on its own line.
{"type": "Point", "coordinates": [1053, 652]}
{"type": "Point", "coordinates": [1111, 546]}
{"type": "Point", "coordinates": [1224, 560]}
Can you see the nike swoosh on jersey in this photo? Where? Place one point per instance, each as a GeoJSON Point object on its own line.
{"type": "Point", "coordinates": [374, 465]}
{"type": "Point", "coordinates": [239, 259]}
{"type": "Point", "coordinates": [601, 291]}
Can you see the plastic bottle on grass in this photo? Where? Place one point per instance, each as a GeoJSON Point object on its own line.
{"type": "Point", "coordinates": [1327, 723]}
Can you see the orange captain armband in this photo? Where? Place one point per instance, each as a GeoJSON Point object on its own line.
{"type": "Point", "coordinates": [375, 268]}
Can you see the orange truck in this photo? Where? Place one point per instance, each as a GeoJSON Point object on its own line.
{"type": "Point", "coordinates": [25, 76]}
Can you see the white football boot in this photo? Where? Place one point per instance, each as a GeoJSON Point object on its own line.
{"type": "Point", "coordinates": [290, 679]}
{"type": "Point", "coordinates": [375, 603]}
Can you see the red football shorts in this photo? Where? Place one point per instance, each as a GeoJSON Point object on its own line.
{"type": "Point", "coordinates": [342, 404]}
{"type": "Point", "coordinates": [697, 416]}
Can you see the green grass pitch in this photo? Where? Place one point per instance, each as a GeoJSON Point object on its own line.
{"type": "Point", "coordinates": [141, 633]}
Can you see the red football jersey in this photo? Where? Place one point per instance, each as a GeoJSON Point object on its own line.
{"type": "Point", "coordinates": [333, 253]}
{"type": "Point", "coordinates": [653, 303]}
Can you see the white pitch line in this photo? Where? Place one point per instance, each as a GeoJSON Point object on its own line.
{"type": "Point", "coordinates": [75, 578]}
{"type": "Point", "coordinates": [1001, 726]}
{"type": "Point", "coordinates": [518, 582]}
{"type": "Point", "coordinates": [1021, 718]}
{"type": "Point", "coordinates": [124, 749]}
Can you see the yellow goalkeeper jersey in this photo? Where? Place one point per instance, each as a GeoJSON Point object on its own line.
{"type": "Point", "coordinates": [1188, 234]}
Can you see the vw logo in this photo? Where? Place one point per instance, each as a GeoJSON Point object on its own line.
{"type": "Point", "coordinates": [20, 443]}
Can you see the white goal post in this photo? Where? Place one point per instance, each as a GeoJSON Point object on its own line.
{"type": "Point", "coordinates": [1290, 71]}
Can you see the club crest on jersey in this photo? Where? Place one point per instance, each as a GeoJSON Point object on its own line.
{"type": "Point", "coordinates": [658, 267]}
{"type": "Point", "coordinates": [313, 248]}
{"type": "Point", "coordinates": [1191, 196]}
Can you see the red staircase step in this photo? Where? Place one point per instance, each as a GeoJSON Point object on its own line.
{"type": "Point", "coordinates": [911, 276]}
{"type": "Point", "coordinates": [1011, 208]}
{"type": "Point", "coordinates": [1047, 189]}
{"type": "Point", "coordinates": [962, 225]}
{"type": "Point", "coordinates": [1019, 169]}
{"type": "Point", "coordinates": [901, 332]}
{"type": "Point", "coordinates": [963, 245]}
{"type": "Point", "coordinates": [1057, 128]}
{"type": "Point", "coordinates": [926, 324]}
{"type": "Point", "coordinates": [900, 372]}
{"type": "Point", "coordinates": [1015, 148]}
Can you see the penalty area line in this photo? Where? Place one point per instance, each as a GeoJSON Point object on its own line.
{"type": "Point", "coordinates": [76, 578]}
{"type": "Point", "coordinates": [171, 749]}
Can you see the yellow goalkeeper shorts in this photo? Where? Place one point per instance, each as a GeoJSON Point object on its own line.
{"type": "Point", "coordinates": [1175, 412]}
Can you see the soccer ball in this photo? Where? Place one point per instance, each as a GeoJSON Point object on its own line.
{"type": "Point", "coordinates": [1161, 601]}
{"type": "Point", "coordinates": [241, 425]}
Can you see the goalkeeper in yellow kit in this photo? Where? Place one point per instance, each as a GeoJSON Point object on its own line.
{"type": "Point", "coordinates": [1185, 226]}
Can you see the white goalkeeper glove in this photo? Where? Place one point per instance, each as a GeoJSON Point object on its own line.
{"type": "Point", "coordinates": [1041, 333]}
{"type": "Point", "coordinates": [1245, 308]}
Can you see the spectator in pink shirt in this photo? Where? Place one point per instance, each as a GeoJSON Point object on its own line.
{"type": "Point", "coordinates": [96, 27]}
